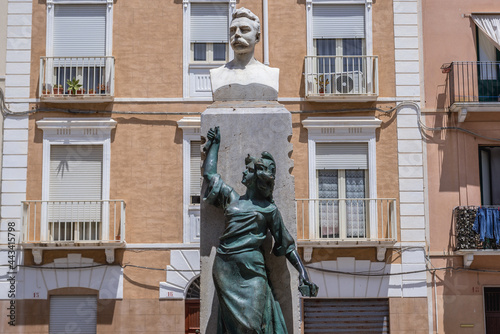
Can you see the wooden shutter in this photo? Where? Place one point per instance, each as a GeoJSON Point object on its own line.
{"type": "Point", "coordinates": [346, 315]}
{"type": "Point", "coordinates": [79, 30]}
{"type": "Point", "coordinates": [73, 314]}
{"type": "Point", "coordinates": [338, 21]}
{"type": "Point", "coordinates": [209, 23]}
{"type": "Point", "coordinates": [342, 156]}
{"type": "Point", "coordinates": [195, 170]}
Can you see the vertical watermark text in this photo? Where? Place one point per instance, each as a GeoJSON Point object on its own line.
{"type": "Point", "coordinates": [11, 256]}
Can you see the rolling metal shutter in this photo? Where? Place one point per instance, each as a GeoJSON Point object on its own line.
{"type": "Point", "coordinates": [73, 314]}
{"type": "Point", "coordinates": [209, 23]}
{"type": "Point", "coordinates": [75, 175]}
{"type": "Point", "coordinates": [195, 170]}
{"type": "Point", "coordinates": [338, 21]}
{"type": "Point", "coordinates": [342, 156]}
{"type": "Point", "coordinates": [353, 316]}
{"type": "Point", "coordinates": [79, 30]}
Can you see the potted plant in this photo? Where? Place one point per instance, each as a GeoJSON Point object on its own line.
{"type": "Point", "coordinates": [46, 91]}
{"type": "Point", "coordinates": [74, 86]}
{"type": "Point", "coordinates": [91, 92]}
{"type": "Point", "coordinates": [58, 89]}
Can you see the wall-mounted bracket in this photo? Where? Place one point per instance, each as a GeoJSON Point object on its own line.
{"type": "Point", "coordinates": [468, 258]}
{"type": "Point", "coordinates": [308, 251]}
{"type": "Point", "coordinates": [381, 253]}
{"type": "Point", "coordinates": [37, 255]}
{"type": "Point", "coordinates": [110, 255]}
{"type": "Point", "coordinates": [462, 114]}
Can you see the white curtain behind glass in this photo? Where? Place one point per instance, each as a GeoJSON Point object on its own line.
{"type": "Point", "coordinates": [328, 188]}
{"type": "Point", "coordinates": [355, 209]}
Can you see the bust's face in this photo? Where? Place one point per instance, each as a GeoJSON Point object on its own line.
{"type": "Point", "coordinates": [244, 35]}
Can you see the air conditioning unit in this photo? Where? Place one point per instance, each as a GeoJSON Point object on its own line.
{"type": "Point", "coordinates": [350, 83]}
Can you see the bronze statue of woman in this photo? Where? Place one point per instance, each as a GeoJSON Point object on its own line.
{"type": "Point", "coordinates": [246, 300]}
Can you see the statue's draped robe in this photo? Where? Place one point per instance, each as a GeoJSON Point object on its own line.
{"type": "Point", "coordinates": [247, 304]}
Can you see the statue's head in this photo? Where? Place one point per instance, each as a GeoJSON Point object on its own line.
{"type": "Point", "coordinates": [260, 173]}
{"type": "Point", "coordinates": [244, 31]}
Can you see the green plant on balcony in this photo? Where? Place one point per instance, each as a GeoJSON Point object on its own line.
{"type": "Point", "coordinates": [74, 86]}
{"type": "Point", "coordinates": [322, 83]}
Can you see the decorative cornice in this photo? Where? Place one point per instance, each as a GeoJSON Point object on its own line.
{"type": "Point", "coordinates": [189, 123]}
{"type": "Point", "coordinates": [76, 123]}
{"type": "Point", "coordinates": [341, 122]}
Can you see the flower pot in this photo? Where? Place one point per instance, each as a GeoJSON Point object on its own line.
{"type": "Point", "coordinates": [58, 91]}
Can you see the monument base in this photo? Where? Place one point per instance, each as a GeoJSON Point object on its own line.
{"type": "Point", "coordinates": [250, 128]}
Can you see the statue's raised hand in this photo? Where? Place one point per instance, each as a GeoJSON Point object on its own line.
{"type": "Point", "coordinates": [213, 137]}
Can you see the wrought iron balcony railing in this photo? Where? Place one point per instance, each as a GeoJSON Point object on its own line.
{"type": "Point", "coordinates": [473, 81]}
{"type": "Point", "coordinates": [94, 77]}
{"type": "Point", "coordinates": [341, 77]}
{"type": "Point", "coordinates": [466, 237]}
{"type": "Point", "coordinates": [352, 219]}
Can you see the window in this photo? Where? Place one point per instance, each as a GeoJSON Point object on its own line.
{"type": "Point", "coordinates": [73, 314]}
{"type": "Point", "coordinates": [78, 48]}
{"type": "Point", "coordinates": [191, 147]}
{"type": "Point", "coordinates": [75, 207]}
{"type": "Point", "coordinates": [209, 32]}
{"type": "Point", "coordinates": [76, 180]}
{"type": "Point", "coordinates": [340, 48]}
{"type": "Point", "coordinates": [492, 309]}
{"type": "Point", "coordinates": [342, 178]}
{"type": "Point", "coordinates": [341, 170]}
{"type": "Point", "coordinates": [206, 45]}
{"type": "Point", "coordinates": [490, 174]}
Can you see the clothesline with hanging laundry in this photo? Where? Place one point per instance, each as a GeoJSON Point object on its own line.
{"type": "Point", "coordinates": [487, 223]}
{"type": "Point", "coordinates": [475, 230]}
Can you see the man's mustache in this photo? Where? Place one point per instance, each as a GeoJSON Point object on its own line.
{"type": "Point", "coordinates": [241, 41]}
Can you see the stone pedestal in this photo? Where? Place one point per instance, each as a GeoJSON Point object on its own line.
{"type": "Point", "coordinates": [250, 128]}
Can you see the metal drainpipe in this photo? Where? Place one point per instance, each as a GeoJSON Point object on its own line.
{"type": "Point", "coordinates": [265, 36]}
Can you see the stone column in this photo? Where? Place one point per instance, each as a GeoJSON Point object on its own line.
{"type": "Point", "coordinates": [250, 128]}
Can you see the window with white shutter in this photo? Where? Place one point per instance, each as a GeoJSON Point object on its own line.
{"type": "Point", "coordinates": [75, 192]}
{"type": "Point", "coordinates": [79, 31]}
{"type": "Point", "coordinates": [209, 32]}
{"type": "Point", "coordinates": [73, 314]}
{"type": "Point", "coordinates": [339, 30]}
{"type": "Point", "coordinates": [195, 172]}
{"type": "Point", "coordinates": [341, 170]}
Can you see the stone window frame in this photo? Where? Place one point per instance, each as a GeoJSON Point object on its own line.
{"type": "Point", "coordinates": [50, 21]}
{"type": "Point", "coordinates": [341, 130]}
{"type": "Point", "coordinates": [186, 43]}
{"type": "Point", "coordinates": [75, 131]}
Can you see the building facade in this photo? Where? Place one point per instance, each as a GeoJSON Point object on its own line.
{"type": "Point", "coordinates": [461, 118]}
{"type": "Point", "coordinates": [101, 180]}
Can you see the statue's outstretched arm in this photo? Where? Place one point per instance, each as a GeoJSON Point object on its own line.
{"type": "Point", "coordinates": [212, 150]}
{"type": "Point", "coordinates": [306, 287]}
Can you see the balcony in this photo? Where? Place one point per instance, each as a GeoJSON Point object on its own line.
{"type": "Point", "coordinates": [467, 241]}
{"type": "Point", "coordinates": [341, 78]}
{"type": "Point", "coordinates": [341, 223]}
{"type": "Point", "coordinates": [94, 74]}
{"type": "Point", "coordinates": [48, 225]}
{"type": "Point", "coordinates": [474, 86]}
